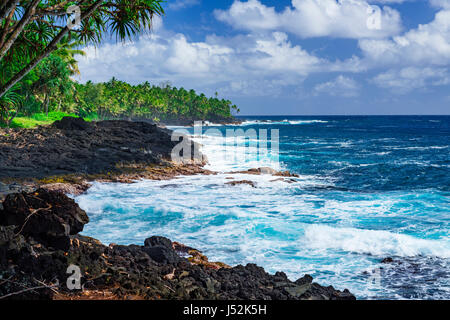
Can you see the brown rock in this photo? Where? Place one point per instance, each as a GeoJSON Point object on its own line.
{"type": "Point", "coordinates": [235, 183]}
{"type": "Point", "coordinates": [267, 170]}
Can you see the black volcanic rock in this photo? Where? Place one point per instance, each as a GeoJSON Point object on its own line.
{"type": "Point", "coordinates": [71, 123]}
{"type": "Point", "coordinates": [158, 241]}
{"type": "Point", "coordinates": [74, 146]}
{"type": "Point", "coordinates": [306, 279]}
{"type": "Point", "coordinates": [48, 216]}
{"type": "Point", "coordinates": [28, 258]}
{"type": "Point", "coordinates": [160, 249]}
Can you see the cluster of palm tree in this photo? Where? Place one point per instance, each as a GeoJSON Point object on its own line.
{"type": "Point", "coordinates": [37, 50]}
{"type": "Point", "coordinates": [32, 30]}
{"type": "Point", "coordinates": [118, 99]}
{"type": "Point", "coordinates": [47, 82]}
{"type": "Point", "coordinates": [50, 87]}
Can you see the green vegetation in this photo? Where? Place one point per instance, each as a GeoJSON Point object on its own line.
{"type": "Point", "coordinates": [31, 30]}
{"type": "Point", "coordinates": [117, 99]}
{"type": "Point", "coordinates": [38, 59]}
{"type": "Point", "coordinates": [48, 93]}
{"type": "Point", "coordinates": [25, 122]}
{"type": "Point", "coordinates": [39, 119]}
{"type": "Point", "coordinates": [46, 88]}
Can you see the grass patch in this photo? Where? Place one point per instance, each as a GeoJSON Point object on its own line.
{"type": "Point", "coordinates": [52, 116]}
{"type": "Point", "coordinates": [23, 122]}
{"type": "Point", "coordinates": [40, 119]}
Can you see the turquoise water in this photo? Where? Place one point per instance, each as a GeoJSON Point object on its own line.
{"type": "Point", "coordinates": [368, 188]}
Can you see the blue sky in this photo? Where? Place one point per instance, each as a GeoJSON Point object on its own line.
{"type": "Point", "coordinates": [294, 57]}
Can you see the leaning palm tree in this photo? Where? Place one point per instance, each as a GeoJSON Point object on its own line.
{"type": "Point", "coordinates": [32, 29]}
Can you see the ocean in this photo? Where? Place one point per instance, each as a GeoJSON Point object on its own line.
{"type": "Point", "coordinates": [369, 188]}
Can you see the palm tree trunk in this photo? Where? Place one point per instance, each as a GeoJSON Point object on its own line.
{"type": "Point", "coordinates": [19, 28]}
{"type": "Point", "coordinates": [51, 47]}
{"type": "Point", "coordinates": [7, 24]}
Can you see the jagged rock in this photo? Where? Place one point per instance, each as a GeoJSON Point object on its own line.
{"type": "Point", "coordinates": [158, 241]}
{"type": "Point", "coordinates": [160, 249]}
{"type": "Point", "coordinates": [181, 248]}
{"type": "Point", "coordinates": [152, 271]}
{"type": "Point", "coordinates": [306, 279]}
{"type": "Point", "coordinates": [45, 215]}
{"type": "Point", "coordinates": [235, 183]}
{"type": "Point", "coordinates": [286, 174]}
{"type": "Point", "coordinates": [10, 244]}
{"type": "Point", "coordinates": [67, 188]}
{"type": "Point", "coordinates": [72, 123]}
{"type": "Point", "coordinates": [15, 187]}
{"type": "Point", "coordinates": [197, 258]}
{"type": "Point", "coordinates": [267, 170]}
{"type": "Point", "coordinates": [74, 146]}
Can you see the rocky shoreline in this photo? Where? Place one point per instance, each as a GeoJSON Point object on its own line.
{"type": "Point", "coordinates": [40, 226]}
{"type": "Point", "coordinates": [39, 240]}
{"type": "Point", "coordinates": [71, 153]}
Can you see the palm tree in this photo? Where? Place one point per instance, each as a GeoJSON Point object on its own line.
{"type": "Point", "coordinates": [10, 104]}
{"type": "Point", "coordinates": [32, 29]}
{"type": "Point", "coordinates": [67, 50]}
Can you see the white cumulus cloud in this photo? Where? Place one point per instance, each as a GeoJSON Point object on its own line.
{"type": "Point", "coordinates": [244, 64]}
{"type": "Point", "coordinates": [341, 86]}
{"type": "Point", "coordinates": [315, 18]}
{"type": "Point", "coordinates": [266, 63]}
{"type": "Point", "coordinates": [428, 44]}
{"type": "Point", "coordinates": [441, 3]}
{"type": "Point", "coordinates": [407, 79]}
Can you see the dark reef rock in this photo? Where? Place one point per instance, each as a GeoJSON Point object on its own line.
{"type": "Point", "coordinates": [74, 146]}
{"type": "Point", "coordinates": [235, 183]}
{"type": "Point", "coordinates": [71, 123]}
{"type": "Point", "coordinates": [158, 241]}
{"type": "Point", "coordinates": [267, 170]}
{"type": "Point", "coordinates": [48, 216]}
{"type": "Point", "coordinates": [28, 258]}
{"type": "Point", "coordinates": [161, 250]}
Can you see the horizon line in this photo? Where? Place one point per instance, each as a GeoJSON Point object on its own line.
{"type": "Point", "coordinates": [341, 115]}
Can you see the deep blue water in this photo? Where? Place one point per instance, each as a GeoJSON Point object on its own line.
{"type": "Point", "coordinates": [369, 153]}
{"type": "Point", "coordinates": [370, 187]}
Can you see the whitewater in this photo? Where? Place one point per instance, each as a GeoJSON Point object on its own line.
{"type": "Point", "coordinates": [364, 193]}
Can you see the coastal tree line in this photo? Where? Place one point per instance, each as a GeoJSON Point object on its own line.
{"type": "Point", "coordinates": [50, 88]}
{"type": "Point", "coordinates": [37, 63]}
{"type": "Point", "coordinates": [163, 102]}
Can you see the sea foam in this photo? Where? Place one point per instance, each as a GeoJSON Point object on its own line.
{"type": "Point", "coordinates": [321, 224]}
